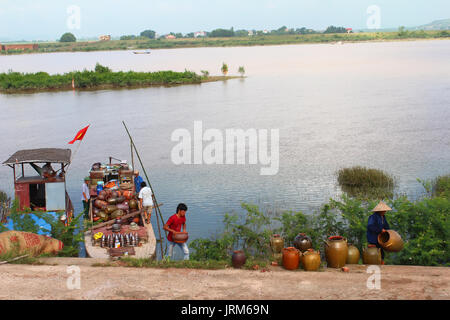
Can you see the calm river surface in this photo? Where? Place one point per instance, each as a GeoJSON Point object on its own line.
{"type": "Point", "coordinates": [381, 105]}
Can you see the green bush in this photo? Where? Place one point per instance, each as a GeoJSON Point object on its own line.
{"type": "Point", "coordinates": [423, 224]}
{"type": "Point", "coordinates": [366, 182]}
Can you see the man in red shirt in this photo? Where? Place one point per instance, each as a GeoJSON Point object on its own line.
{"type": "Point", "coordinates": [173, 226]}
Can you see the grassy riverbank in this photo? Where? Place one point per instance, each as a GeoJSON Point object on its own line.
{"type": "Point", "coordinates": [138, 44]}
{"type": "Point", "coordinates": [100, 78]}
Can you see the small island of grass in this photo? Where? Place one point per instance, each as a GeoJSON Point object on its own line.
{"type": "Point", "coordinates": [101, 78]}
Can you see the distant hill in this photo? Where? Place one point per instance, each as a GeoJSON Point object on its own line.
{"type": "Point", "coordinates": [443, 24]}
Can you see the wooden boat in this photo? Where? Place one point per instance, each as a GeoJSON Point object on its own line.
{"type": "Point", "coordinates": [142, 52]}
{"type": "Point", "coordinates": [44, 191]}
{"type": "Point", "coordinates": [118, 177]}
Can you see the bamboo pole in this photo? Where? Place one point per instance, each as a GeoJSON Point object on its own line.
{"type": "Point", "coordinates": [158, 211]}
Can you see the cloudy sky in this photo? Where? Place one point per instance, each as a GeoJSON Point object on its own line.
{"type": "Point", "coordinates": [47, 20]}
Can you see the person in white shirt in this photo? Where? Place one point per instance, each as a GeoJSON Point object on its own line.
{"type": "Point", "coordinates": [146, 201]}
{"type": "Point", "coordinates": [86, 197]}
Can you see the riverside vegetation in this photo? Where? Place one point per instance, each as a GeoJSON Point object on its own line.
{"type": "Point", "coordinates": [276, 38]}
{"type": "Point", "coordinates": [100, 78]}
{"type": "Point", "coordinates": [423, 224]}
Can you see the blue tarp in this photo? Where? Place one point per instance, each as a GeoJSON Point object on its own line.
{"type": "Point", "coordinates": [39, 221]}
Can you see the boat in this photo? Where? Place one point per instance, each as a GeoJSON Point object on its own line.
{"type": "Point", "coordinates": [142, 52]}
{"type": "Point", "coordinates": [40, 185]}
{"type": "Point", "coordinates": [116, 180]}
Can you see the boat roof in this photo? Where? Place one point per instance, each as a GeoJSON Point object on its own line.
{"type": "Point", "coordinates": [44, 155]}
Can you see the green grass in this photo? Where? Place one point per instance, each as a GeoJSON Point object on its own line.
{"type": "Point", "coordinates": [366, 182]}
{"type": "Point", "coordinates": [441, 186]}
{"type": "Point", "coordinates": [188, 264]}
{"type": "Point", "coordinates": [13, 82]}
{"type": "Point", "coordinates": [262, 40]}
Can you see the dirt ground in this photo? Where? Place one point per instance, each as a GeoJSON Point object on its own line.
{"type": "Point", "coordinates": [51, 282]}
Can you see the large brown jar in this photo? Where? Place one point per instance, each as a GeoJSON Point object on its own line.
{"type": "Point", "coordinates": [372, 255]}
{"type": "Point", "coordinates": [276, 243]}
{"type": "Point", "coordinates": [311, 260]}
{"type": "Point", "coordinates": [336, 251]}
{"type": "Point", "coordinates": [353, 255]}
{"type": "Point", "coordinates": [302, 242]}
{"type": "Point", "coordinates": [390, 241]}
{"type": "Point", "coordinates": [291, 258]}
{"type": "Point", "coordinates": [238, 259]}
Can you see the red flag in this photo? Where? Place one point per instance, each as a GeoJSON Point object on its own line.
{"type": "Point", "coordinates": [79, 135]}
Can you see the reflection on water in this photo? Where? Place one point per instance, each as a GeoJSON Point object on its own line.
{"type": "Point", "coordinates": [381, 105]}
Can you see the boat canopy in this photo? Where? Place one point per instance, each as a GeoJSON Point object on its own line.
{"type": "Point", "coordinates": [43, 155]}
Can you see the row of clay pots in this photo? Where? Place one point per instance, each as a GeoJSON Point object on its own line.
{"type": "Point", "coordinates": [293, 258]}
{"type": "Point", "coordinates": [301, 242]}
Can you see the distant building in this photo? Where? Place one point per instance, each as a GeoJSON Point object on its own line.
{"type": "Point", "coordinates": [250, 33]}
{"type": "Point", "coordinates": [170, 36]}
{"type": "Point", "coordinates": [31, 46]}
{"type": "Point", "coordinates": [349, 30]}
{"type": "Point", "coordinates": [105, 38]}
{"type": "Point", "coordinates": [265, 31]}
{"type": "Point", "coordinates": [199, 34]}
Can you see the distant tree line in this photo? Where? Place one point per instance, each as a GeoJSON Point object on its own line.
{"type": "Point", "coordinates": [227, 33]}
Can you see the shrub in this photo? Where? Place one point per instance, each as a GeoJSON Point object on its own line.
{"type": "Point", "coordinates": [366, 182]}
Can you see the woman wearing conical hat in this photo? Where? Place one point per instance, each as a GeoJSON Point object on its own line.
{"type": "Point", "coordinates": [377, 224]}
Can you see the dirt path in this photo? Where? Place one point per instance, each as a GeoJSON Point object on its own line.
{"type": "Point", "coordinates": [50, 282]}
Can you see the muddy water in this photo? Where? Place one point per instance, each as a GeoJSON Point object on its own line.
{"type": "Point", "coordinates": [382, 105]}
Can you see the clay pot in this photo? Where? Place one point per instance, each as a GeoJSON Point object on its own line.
{"type": "Point", "coordinates": [353, 255]}
{"type": "Point", "coordinates": [127, 194]}
{"type": "Point", "coordinates": [116, 214]}
{"type": "Point", "coordinates": [102, 195]}
{"type": "Point", "coordinates": [181, 237]}
{"type": "Point", "coordinates": [110, 209]}
{"type": "Point", "coordinates": [133, 204]}
{"type": "Point", "coordinates": [390, 241]}
{"type": "Point", "coordinates": [100, 204]}
{"type": "Point", "coordinates": [311, 260]}
{"type": "Point", "coordinates": [372, 255]}
{"type": "Point", "coordinates": [276, 243]}
{"type": "Point", "coordinates": [302, 242]}
{"type": "Point", "coordinates": [123, 206]}
{"type": "Point", "coordinates": [238, 259]}
{"type": "Point", "coordinates": [336, 251]}
{"type": "Point", "coordinates": [115, 194]}
{"type": "Point", "coordinates": [112, 201]}
{"type": "Point", "coordinates": [291, 258]}
{"type": "Point", "coordinates": [278, 257]}
{"type": "Point", "coordinates": [120, 199]}
{"type": "Point", "coordinates": [102, 214]}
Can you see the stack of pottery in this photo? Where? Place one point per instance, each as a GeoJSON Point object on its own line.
{"type": "Point", "coordinates": [111, 204]}
{"type": "Point", "coordinates": [372, 255]}
{"type": "Point", "coordinates": [390, 241]}
{"type": "Point", "coordinates": [336, 251]}
{"type": "Point", "coordinates": [353, 255]}
{"type": "Point", "coordinates": [311, 260]}
{"type": "Point", "coordinates": [277, 245]}
{"type": "Point", "coordinates": [238, 259]}
{"type": "Point", "coordinates": [291, 258]}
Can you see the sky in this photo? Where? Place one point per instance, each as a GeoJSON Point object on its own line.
{"type": "Point", "coordinates": [48, 20]}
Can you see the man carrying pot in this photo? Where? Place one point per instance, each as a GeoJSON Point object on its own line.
{"type": "Point", "coordinates": [377, 224]}
{"type": "Point", "coordinates": [173, 226]}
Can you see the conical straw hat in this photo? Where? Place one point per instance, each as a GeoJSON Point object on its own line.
{"type": "Point", "coordinates": [381, 206]}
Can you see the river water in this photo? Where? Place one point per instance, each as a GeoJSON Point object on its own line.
{"type": "Point", "coordinates": [382, 105]}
